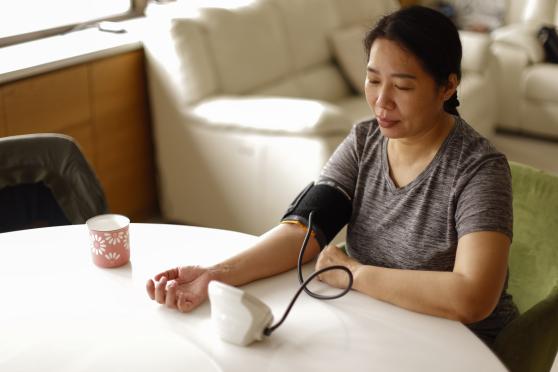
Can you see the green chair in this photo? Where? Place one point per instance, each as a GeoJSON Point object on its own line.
{"type": "Point", "coordinates": [530, 342]}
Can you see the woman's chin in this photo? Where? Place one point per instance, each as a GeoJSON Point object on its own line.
{"type": "Point", "coordinates": [392, 131]}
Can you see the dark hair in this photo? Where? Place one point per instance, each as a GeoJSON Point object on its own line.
{"type": "Point", "coordinates": [430, 36]}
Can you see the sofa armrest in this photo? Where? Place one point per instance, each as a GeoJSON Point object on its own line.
{"type": "Point", "coordinates": [271, 115]}
{"type": "Point", "coordinates": [511, 63]}
{"type": "Point", "coordinates": [522, 36]}
{"type": "Point", "coordinates": [178, 62]}
{"type": "Point", "coordinates": [476, 51]}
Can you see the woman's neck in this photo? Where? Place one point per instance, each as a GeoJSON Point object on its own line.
{"type": "Point", "coordinates": [422, 147]}
{"type": "Point", "coordinates": [409, 157]}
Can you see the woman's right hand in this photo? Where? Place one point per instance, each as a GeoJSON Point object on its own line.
{"type": "Point", "coordinates": [183, 288]}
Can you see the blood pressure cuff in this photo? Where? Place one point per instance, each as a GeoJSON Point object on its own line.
{"type": "Point", "coordinates": [332, 210]}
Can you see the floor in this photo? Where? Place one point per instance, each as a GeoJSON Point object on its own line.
{"type": "Point", "coordinates": [541, 154]}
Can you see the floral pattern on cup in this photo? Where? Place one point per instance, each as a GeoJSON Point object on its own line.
{"type": "Point", "coordinates": [114, 238]}
{"type": "Point", "coordinates": [98, 245]}
{"type": "Point", "coordinates": [110, 242]}
{"type": "Point", "coordinates": [112, 256]}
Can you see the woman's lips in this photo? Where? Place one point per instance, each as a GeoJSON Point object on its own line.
{"type": "Point", "coordinates": [386, 123]}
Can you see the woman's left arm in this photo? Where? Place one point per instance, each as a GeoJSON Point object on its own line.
{"type": "Point", "coordinates": [468, 294]}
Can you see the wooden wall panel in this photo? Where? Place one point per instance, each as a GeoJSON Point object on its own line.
{"type": "Point", "coordinates": [130, 191]}
{"type": "Point", "coordinates": [103, 105]}
{"type": "Point", "coordinates": [84, 137]}
{"type": "Point", "coordinates": [121, 144]}
{"type": "Point", "coordinates": [48, 103]}
{"type": "Point", "coordinates": [123, 134]}
{"type": "Point", "coordinates": [118, 83]}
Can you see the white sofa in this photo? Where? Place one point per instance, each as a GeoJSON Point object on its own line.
{"type": "Point", "coordinates": [527, 86]}
{"type": "Point", "coordinates": [248, 102]}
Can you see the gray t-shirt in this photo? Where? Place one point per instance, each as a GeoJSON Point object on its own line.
{"type": "Point", "coordinates": [465, 188]}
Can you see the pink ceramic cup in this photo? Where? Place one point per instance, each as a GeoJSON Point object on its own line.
{"type": "Point", "coordinates": [110, 240]}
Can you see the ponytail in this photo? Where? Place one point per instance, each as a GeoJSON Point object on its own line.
{"type": "Point", "coordinates": [450, 106]}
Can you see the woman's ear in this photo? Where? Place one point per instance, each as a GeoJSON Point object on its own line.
{"type": "Point", "coordinates": [450, 87]}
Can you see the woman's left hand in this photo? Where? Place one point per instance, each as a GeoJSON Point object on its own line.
{"type": "Point", "coordinates": [332, 255]}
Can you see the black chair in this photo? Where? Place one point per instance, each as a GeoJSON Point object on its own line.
{"type": "Point", "coordinates": [46, 181]}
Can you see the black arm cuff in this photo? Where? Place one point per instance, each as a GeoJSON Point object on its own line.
{"type": "Point", "coordinates": [332, 210]}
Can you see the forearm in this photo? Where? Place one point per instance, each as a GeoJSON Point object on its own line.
{"type": "Point", "coordinates": [445, 294]}
{"type": "Point", "coordinates": [469, 293]}
{"type": "Point", "coordinates": [274, 252]}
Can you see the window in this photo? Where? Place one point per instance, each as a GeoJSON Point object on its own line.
{"type": "Point", "coordinates": [27, 19]}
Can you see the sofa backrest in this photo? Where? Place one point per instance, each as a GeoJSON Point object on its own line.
{"type": "Point", "coordinates": [272, 47]}
{"type": "Point", "coordinates": [311, 73]}
{"type": "Point", "coordinates": [537, 11]}
{"type": "Point", "coordinates": [365, 12]}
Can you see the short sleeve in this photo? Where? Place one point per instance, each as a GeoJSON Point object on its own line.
{"type": "Point", "coordinates": [342, 167]}
{"type": "Point", "coordinates": [486, 203]}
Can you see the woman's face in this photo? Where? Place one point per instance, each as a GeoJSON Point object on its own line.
{"type": "Point", "coordinates": [405, 99]}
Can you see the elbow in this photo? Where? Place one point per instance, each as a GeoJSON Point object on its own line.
{"type": "Point", "coordinates": [469, 312]}
{"type": "Point", "coordinates": [469, 317]}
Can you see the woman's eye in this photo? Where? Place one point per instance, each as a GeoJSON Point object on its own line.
{"type": "Point", "coordinates": [373, 82]}
{"type": "Point", "coordinates": [403, 88]}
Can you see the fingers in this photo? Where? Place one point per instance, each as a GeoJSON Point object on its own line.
{"type": "Point", "coordinates": [322, 261]}
{"type": "Point", "coordinates": [169, 274]}
{"type": "Point", "coordinates": [170, 299]}
{"type": "Point", "coordinates": [186, 303]}
{"type": "Point", "coordinates": [328, 257]}
{"type": "Point", "coordinates": [163, 291]}
{"type": "Point", "coordinates": [160, 290]}
{"type": "Point", "coordinates": [150, 287]}
{"type": "Point", "coordinates": [180, 288]}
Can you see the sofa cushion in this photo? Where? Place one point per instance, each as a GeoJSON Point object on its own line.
{"type": "Point", "coordinates": [469, 88]}
{"type": "Point", "coordinates": [366, 12]}
{"type": "Point", "coordinates": [478, 101]}
{"type": "Point", "coordinates": [322, 82]}
{"type": "Point", "coordinates": [348, 49]}
{"type": "Point", "coordinates": [539, 11]}
{"type": "Point", "coordinates": [356, 108]}
{"type": "Point", "coordinates": [476, 50]}
{"type": "Point", "coordinates": [195, 64]}
{"type": "Point", "coordinates": [248, 44]}
{"type": "Point", "coordinates": [292, 116]}
{"type": "Point", "coordinates": [522, 36]}
{"type": "Point", "coordinates": [541, 82]}
{"type": "Point", "coordinates": [306, 26]}
{"type": "Point", "coordinates": [288, 87]}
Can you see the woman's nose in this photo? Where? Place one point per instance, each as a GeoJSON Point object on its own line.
{"type": "Point", "coordinates": [384, 100]}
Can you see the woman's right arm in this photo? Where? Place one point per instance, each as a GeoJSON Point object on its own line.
{"type": "Point", "coordinates": [276, 251]}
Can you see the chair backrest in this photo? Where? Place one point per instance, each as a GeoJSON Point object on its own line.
{"type": "Point", "coordinates": [534, 251]}
{"type": "Point", "coordinates": [27, 206]}
{"type": "Point", "coordinates": [56, 162]}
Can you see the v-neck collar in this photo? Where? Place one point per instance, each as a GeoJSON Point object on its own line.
{"type": "Point", "coordinates": [426, 172]}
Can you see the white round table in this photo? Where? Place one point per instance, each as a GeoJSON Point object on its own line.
{"type": "Point", "coordinates": [59, 312]}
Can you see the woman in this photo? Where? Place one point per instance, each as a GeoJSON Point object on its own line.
{"type": "Point", "coordinates": [431, 220]}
